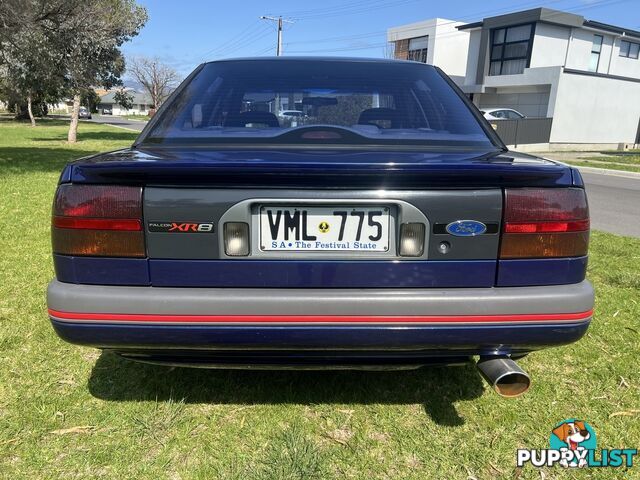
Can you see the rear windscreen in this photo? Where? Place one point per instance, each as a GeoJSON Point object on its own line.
{"type": "Point", "coordinates": [315, 102]}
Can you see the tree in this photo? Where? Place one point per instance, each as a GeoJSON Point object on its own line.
{"type": "Point", "coordinates": [91, 43]}
{"type": "Point", "coordinates": [25, 84]}
{"type": "Point", "coordinates": [31, 71]}
{"type": "Point", "coordinates": [345, 112]}
{"type": "Point", "coordinates": [20, 16]}
{"type": "Point", "coordinates": [158, 79]}
{"type": "Point", "coordinates": [124, 99]}
{"type": "Point", "coordinates": [72, 43]}
{"type": "Point", "coordinates": [17, 103]}
{"type": "Point", "coordinates": [91, 99]}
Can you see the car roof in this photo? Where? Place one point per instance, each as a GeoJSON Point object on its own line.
{"type": "Point", "coordinates": [489, 110]}
{"type": "Point", "coordinates": [287, 59]}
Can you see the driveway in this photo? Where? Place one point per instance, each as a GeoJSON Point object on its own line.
{"type": "Point", "coordinates": [116, 121]}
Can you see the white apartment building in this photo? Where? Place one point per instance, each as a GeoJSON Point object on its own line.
{"type": "Point", "coordinates": [582, 74]}
{"type": "Point", "coordinates": [437, 41]}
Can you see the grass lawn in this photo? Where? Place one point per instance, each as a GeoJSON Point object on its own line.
{"type": "Point", "coordinates": [629, 163]}
{"type": "Point", "coordinates": [614, 166]}
{"type": "Point", "coordinates": [144, 118]}
{"type": "Point", "coordinates": [72, 412]}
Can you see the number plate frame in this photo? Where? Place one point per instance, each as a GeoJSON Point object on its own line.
{"type": "Point", "coordinates": [248, 211]}
{"type": "Point", "coordinates": [325, 229]}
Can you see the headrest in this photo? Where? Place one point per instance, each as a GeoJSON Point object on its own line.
{"type": "Point", "coordinates": [244, 118]}
{"type": "Point", "coordinates": [370, 115]}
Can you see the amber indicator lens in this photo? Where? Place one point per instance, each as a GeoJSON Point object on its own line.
{"type": "Point", "coordinates": [573, 244]}
{"type": "Point", "coordinates": [99, 243]}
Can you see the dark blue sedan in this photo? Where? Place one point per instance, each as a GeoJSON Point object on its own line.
{"type": "Point", "coordinates": [384, 226]}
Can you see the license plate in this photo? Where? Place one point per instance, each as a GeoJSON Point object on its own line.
{"type": "Point", "coordinates": [326, 229]}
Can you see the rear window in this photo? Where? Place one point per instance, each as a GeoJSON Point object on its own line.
{"type": "Point", "coordinates": [317, 102]}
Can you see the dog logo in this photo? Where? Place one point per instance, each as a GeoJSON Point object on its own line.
{"type": "Point", "coordinates": [324, 227]}
{"type": "Point", "coordinates": [576, 436]}
{"type": "Point", "coordinates": [572, 444]}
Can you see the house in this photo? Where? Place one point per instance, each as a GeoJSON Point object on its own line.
{"type": "Point", "coordinates": [61, 107]}
{"type": "Point", "coordinates": [581, 75]}
{"type": "Point", "coordinates": [437, 41]}
{"type": "Point", "coordinates": [64, 106]}
{"type": "Point", "coordinates": [141, 104]}
{"type": "Point", "coordinates": [101, 91]}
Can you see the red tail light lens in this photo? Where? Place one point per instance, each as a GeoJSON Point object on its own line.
{"type": "Point", "coordinates": [545, 222]}
{"type": "Point", "coordinates": [99, 220]}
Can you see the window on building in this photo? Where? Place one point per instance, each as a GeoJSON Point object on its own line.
{"type": "Point", "coordinates": [629, 50]}
{"type": "Point", "coordinates": [510, 49]}
{"type": "Point", "coordinates": [418, 49]}
{"type": "Point", "coordinates": [596, 48]}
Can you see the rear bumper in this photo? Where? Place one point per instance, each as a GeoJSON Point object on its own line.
{"type": "Point", "coordinates": [423, 322]}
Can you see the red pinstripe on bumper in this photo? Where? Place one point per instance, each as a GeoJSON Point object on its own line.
{"type": "Point", "coordinates": [216, 319]}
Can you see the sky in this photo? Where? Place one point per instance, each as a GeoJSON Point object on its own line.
{"type": "Point", "coordinates": [187, 33]}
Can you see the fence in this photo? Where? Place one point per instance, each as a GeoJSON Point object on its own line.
{"type": "Point", "coordinates": [523, 131]}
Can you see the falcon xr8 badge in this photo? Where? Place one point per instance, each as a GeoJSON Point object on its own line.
{"type": "Point", "coordinates": [466, 228]}
{"type": "Point", "coordinates": [181, 227]}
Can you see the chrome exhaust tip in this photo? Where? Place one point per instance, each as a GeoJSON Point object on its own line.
{"type": "Point", "coordinates": [504, 375]}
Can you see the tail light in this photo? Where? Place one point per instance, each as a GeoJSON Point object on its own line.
{"type": "Point", "coordinates": [545, 222]}
{"type": "Point", "coordinates": [98, 220]}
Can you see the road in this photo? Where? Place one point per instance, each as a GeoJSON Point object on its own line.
{"type": "Point", "coordinates": [116, 121]}
{"type": "Point", "coordinates": [614, 202]}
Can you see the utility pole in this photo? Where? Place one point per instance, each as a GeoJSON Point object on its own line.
{"type": "Point", "coordinates": [279, 21]}
{"type": "Point", "coordinates": [279, 47]}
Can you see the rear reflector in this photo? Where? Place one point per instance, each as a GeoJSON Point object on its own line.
{"type": "Point", "coordinates": [544, 223]}
{"type": "Point", "coordinates": [97, 223]}
{"type": "Point", "coordinates": [98, 220]}
{"type": "Point", "coordinates": [547, 227]}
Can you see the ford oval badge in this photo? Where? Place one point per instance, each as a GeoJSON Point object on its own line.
{"type": "Point", "coordinates": [466, 228]}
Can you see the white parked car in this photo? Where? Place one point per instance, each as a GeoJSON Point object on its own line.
{"type": "Point", "coordinates": [501, 114]}
{"type": "Point", "coordinates": [291, 113]}
{"type": "Point", "coordinates": [292, 118]}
